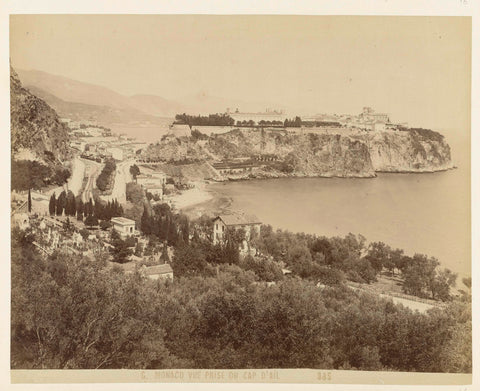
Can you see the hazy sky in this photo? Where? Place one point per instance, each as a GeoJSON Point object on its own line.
{"type": "Point", "coordinates": [415, 68]}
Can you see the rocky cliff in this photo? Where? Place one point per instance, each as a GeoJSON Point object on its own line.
{"type": "Point", "coordinates": [40, 141]}
{"type": "Point", "coordinates": [297, 154]}
{"type": "Point", "coordinates": [352, 154]}
{"type": "Point", "coordinates": [36, 130]}
{"type": "Point", "coordinates": [413, 150]}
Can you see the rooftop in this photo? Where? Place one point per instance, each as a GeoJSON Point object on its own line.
{"type": "Point", "coordinates": [238, 219]}
{"type": "Point", "coordinates": [122, 221]}
{"type": "Point", "coordinates": [153, 175]}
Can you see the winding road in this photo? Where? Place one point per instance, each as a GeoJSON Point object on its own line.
{"type": "Point", "coordinates": [92, 171]}
{"type": "Point", "coordinates": [122, 177]}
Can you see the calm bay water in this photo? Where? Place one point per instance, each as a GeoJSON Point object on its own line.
{"type": "Point", "coordinates": [423, 213]}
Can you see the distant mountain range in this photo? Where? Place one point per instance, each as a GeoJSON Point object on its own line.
{"type": "Point", "coordinates": [84, 101]}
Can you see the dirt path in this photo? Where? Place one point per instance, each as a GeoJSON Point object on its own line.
{"type": "Point", "coordinates": [412, 304]}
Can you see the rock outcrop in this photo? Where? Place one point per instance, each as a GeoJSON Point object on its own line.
{"type": "Point", "coordinates": [300, 154]}
{"type": "Point", "coordinates": [414, 150]}
{"type": "Point", "coordinates": [36, 130]}
{"type": "Point", "coordinates": [40, 141]}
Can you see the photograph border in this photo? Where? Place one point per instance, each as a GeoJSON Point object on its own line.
{"type": "Point", "coordinates": [296, 376]}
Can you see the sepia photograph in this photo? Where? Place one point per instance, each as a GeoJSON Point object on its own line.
{"type": "Point", "coordinates": [240, 198]}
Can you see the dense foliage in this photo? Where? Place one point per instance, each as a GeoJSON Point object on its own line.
{"type": "Point", "coordinates": [330, 124]}
{"type": "Point", "coordinates": [105, 179]}
{"type": "Point", "coordinates": [210, 120]}
{"type": "Point", "coordinates": [328, 261]}
{"type": "Point", "coordinates": [424, 133]}
{"type": "Point", "coordinates": [135, 171]}
{"type": "Point", "coordinates": [120, 249]}
{"type": "Point", "coordinates": [162, 223]}
{"type": "Point", "coordinates": [67, 204]}
{"type": "Point", "coordinates": [71, 312]}
{"type": "Point", "coordinates": [197, 135]}
{"type": "Point", "coordinates": [27, 174]}
{"type": "Point", "coordinates": [293, 123]}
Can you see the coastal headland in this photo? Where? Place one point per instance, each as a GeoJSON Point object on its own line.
{"type": "Point", "coordinates": [252, 153]}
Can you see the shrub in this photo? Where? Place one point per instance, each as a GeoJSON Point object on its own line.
{"type": "Point", "coordinates": [104, 225]}
{"type": "Point", "coordinates": [85, 233]}
{"type": "Point", "coordinates": [91, 221]}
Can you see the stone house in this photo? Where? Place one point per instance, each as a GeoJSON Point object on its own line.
{"type": "Point", "coordinates": [123, 226]}
{"type": "Point", "coordinates": [222, 223]}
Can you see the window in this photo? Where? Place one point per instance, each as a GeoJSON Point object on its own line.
{"type": "Point", "coordinates": [216, 227]}
{"type": "Point", "coordinates": [223, 228]}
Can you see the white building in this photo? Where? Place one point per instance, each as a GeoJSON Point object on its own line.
{"type": "Point", "coordinates": [369, 114]}
{"type": "Point", "coordinates": [155, 178]}
{"type": "Point", "coordinates": [222, 223]}
{"type": "Point", "coordinates": [117, 153]}
{"type": "Point", "coordinates": [268, 115]}
{"type": "Point", "coordinates": [123, 226]}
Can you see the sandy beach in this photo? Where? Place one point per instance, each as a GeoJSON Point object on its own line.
{"type": "Point", "coordinates": [191, 197]}
{"type": "Point", "coordinates": [202, 200]}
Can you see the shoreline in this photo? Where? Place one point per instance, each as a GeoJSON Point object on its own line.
{"type": "Point", "coordinates": [289, 176]}
{"type": "Point", "coordinates": [213, 203]}
{"type": "Point", "coordinates": [226, 201]}
{"type": "Point", "coordinates": [218, 203]}
{"type": "Point", "coordinates": [201, 200]}
{"type": "Point", "coordinates": [204, 200]}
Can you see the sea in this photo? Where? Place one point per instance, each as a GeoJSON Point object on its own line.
{"type": "Point", "coordinates": [426, 213]}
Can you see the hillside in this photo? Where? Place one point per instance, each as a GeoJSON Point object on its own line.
{"type": "Point", "coordinates": [35, 126]}
{"type": "Point", "coordinates": [100, 114]}
{"type": "Point", "coordinates": [156, 105]}
{"type": "Point", "coordinates": [72, 90]}
{"type": "Point", "coordinates": [40, 142]}
{"type": "Point", "coordinates": [290, 154]}
{"type": "Point", "coordinates": [79, 100]}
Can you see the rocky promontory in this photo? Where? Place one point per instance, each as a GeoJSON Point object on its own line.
{"type": "Point", "coordinates": [413, 150]}
{"type": "Point", "coordinates": [270, 153]}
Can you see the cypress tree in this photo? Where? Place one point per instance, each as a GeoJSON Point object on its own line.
{"type": "Point", "coordinates": [70, 207]}
{"type": "Point", "coordinates": [52, 204]}
{"type": "Point", "coordinates": [79, 209]}
{"type": "Point", "coordinates": [61, 203]}
{"type": "Point", "coordinates": [185, 230]}
{"type": "Point", "coordinates": [29, 202]}
{"type": "Point", "coordinates": [172, 233]}
{"type": "Point", "coordinates": [162, 228]}
{"type": "Point", "coordinates": [164, 258]}
{"type": "Point", "coordinates": [145, 222]}
{"type": "Point", "coordinates": [99, 211]}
